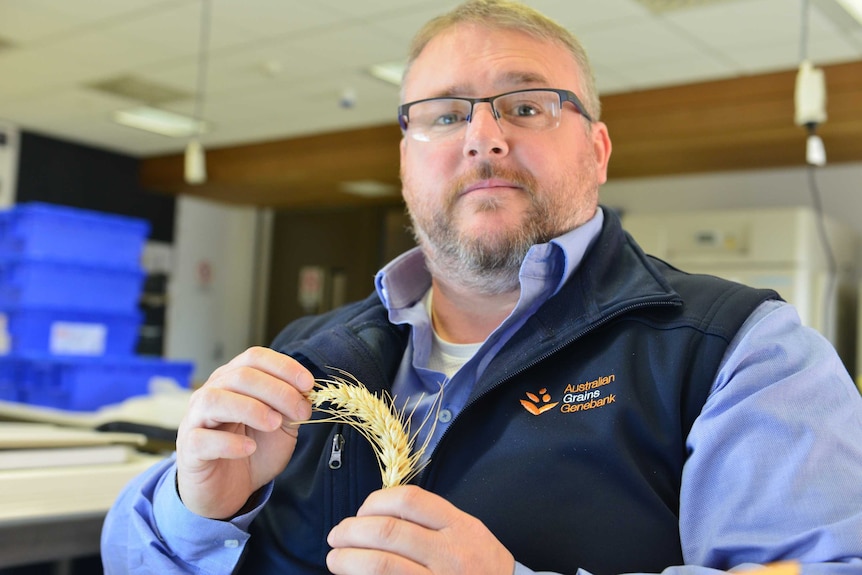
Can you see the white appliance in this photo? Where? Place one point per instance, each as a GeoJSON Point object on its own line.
{"type": "Point", "coordinates": [778, 248]}
{"type": "Point", "coordinates": [10, 139]}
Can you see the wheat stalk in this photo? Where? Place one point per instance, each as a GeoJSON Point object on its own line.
{"type": "Point", "coordinates": [347, 400]}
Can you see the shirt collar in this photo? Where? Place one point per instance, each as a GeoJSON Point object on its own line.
{"type": "Point", "coordinates": [405, 280]}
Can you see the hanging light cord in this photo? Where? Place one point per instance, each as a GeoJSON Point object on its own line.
{"type": "Point", "coordinates": [803, 36]}
{"type": "Point", "coordinates": [816, 199]}
{"type": "Point", "coordinates": [203, 39]}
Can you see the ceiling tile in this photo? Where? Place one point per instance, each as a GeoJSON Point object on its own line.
{"type": "Point", "coordinates": [357, 46]}
{"type": "Point", "coordinates": [578, 15]}
{"type": "Point", "coordinates": [673, 71]}
{"type": "Point", "coordinates": [272, 19]}
{"type": "Point", "coordinates": [23, 22]}
{"type": "Point", "coordinates": [612, 45]}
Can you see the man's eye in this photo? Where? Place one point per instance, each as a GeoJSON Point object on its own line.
{"type": "Point", "coordinates": [449, 119]}
{"type": "Point", "coordinates": [525, 110]}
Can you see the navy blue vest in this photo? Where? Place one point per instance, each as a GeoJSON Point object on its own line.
{"type": "Point", "coordinates": [572, 445]}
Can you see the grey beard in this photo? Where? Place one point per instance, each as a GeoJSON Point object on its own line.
{"type": "Point", "coordinates": [491, 265]}
{"type": "Point", "coordinates": [478, 265]}
{"type": "Point", "coordinates": [473, 268]}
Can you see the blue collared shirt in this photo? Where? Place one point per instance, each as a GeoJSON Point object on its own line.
{"type": "Point", "coordinates": [779, 381]}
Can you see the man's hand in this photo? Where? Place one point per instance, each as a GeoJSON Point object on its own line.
{"type": "Point", "coordinates": [239, 431]}
{"type": "Point", "coordinates": [410, 531]}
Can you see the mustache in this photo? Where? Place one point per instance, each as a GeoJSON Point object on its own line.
{"type": "Point", "coordinates": [488, 170]}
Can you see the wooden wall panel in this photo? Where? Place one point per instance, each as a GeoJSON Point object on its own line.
{"type": "Point", "coordinates": [743, 123]}
{"type": "Point", "coordinates": [298, 172]}
{"type": "Point", "coordinates": [740, 123]}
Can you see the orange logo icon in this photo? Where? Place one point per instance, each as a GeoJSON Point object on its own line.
{"type": "Point", "coordinates": [538, 404]}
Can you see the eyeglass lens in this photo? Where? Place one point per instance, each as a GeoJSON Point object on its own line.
{"type": "Point", "coordinates": [441, 117]}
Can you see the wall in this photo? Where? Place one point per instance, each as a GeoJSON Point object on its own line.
{"type": "Point", "coordinates": [350, 245]}
{"type": "Point", "coordinates": [10, 145]}
{"type": "Point", "coordinates": [61, 172]}
{"type": "Point", "coordinates": [213, 284]}
{"type": "Point", "coordinates": [840, 187]}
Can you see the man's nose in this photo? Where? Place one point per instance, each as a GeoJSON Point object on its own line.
{"type": "Point", "coordinates": [484, 136]}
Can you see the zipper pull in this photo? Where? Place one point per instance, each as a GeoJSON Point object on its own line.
{"type": "Point", "coordinates": [335, 455]}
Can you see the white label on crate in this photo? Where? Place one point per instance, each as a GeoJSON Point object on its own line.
{"type": "Point", "coordinates": [72, 338]}
{"type": "Point", "coordinates": [4, 335]}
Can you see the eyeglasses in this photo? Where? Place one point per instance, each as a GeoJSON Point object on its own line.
{"type": "Point", "coordinates": [533, 109]}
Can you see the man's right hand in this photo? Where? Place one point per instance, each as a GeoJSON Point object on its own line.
{"type": "Point", "coordinates": [240, 430]}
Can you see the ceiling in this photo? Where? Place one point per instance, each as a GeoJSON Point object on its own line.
{"type": "Point", "coordinates": [279, 69]}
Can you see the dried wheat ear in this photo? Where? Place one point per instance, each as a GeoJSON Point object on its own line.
{"type": "Point", "coordinates": [346, 400]}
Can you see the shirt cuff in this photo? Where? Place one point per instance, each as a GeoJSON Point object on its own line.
{"type": "Point", "coordinates": [199, 540]}
{"type": "Point", "coordinates": [523, 570]}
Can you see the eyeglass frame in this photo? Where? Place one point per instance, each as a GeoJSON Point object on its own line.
{"type": "Point", "coordinates": [565, 96]}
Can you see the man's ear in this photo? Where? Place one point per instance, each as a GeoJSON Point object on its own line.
{"type": "Point", "coordinates": [602, 150]}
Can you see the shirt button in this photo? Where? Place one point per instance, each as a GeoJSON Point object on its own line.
{"type": "Point", "coordinates": [445, 416]}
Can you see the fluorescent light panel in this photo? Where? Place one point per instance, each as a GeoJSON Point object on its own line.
{"type": "Point", "coordinates": [853, 7]}
{"type": "Point", "coordinates": [390, 72]}
{"type": "Point", "coordinates": [160, 122]}
{"type": "Point", "coordinates": [368, 188]}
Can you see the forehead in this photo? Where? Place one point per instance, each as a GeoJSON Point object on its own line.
{"type": "Point", "coordinates": [473, 60]}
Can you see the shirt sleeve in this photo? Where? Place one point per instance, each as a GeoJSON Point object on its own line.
{"type": "Point", "coordinates": [149, 530]}
{"type": "Point", "coordinates": [775, 458]}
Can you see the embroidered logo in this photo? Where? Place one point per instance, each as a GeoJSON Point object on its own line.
{"type": "Point", "coordinates": [537, 404]}
{"type": "Point", "coordinates": [577, 397]}
{"type": "Point", "coordinates": [589, 395]}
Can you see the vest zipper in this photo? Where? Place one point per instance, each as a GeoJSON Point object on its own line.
{"type": "Point", "coordinates": [339, 483]}
{"type": "Point", "coordinates": [335, 454]}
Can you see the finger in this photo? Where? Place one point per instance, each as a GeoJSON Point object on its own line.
{"type": "Point", "coordinates": [363, 561]}
{"type": "Point", "coordinates": [244, 374]}
{"type": "Point", "coordinates": [264, 391]}
{"type": "Point", "coordinates": [381, 533]}
{"type": "Point", "coordinates": [216, 407]}
{"type": "Point", "coordinates": [213, 444]}
{"type": "Point", "coordinates": [276, 364]}
{"type": "Point", "coordinates": [411, 503]}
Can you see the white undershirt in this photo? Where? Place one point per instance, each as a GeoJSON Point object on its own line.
{"type": "Point", "coordinates": [447, 357]}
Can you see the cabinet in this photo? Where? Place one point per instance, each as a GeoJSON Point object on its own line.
{"type": "Point", "coordinates": [778, 248]}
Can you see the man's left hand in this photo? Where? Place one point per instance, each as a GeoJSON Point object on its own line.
{"type": "Point", "coordinates": [410, 531]}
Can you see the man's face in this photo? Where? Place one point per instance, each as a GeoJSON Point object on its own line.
{"type": "Point", "coordinates": [480, 199]}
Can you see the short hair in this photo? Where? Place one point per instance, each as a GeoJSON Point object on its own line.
{"type": "Point", "coordinates": [509, 15]}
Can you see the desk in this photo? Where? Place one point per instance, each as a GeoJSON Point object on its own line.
{"type": "Point", "coordinates": [56, 513]}
{"type": "Point", "coordinates": [56, 540]}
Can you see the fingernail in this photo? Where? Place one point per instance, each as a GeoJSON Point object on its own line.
{"type": "Point", "coordinates": [275, 420]}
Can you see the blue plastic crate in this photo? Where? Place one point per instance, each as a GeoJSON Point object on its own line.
{"type": "Point", "coordinates": [86, 384]}
{"type": "Point", "coordinates": [49, 231]}
{"type": "Point", "coordinates": [9, 388]}
{"type": "Point", "coordinates": [52, 284]}
{"type": "Point", "coordinates": [69, 332]}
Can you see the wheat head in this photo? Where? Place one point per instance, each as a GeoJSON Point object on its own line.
{"type": "Point", "coordinates": [347, 400]}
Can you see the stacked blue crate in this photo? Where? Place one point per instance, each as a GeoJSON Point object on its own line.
{"type": "Point", "coordinates": [70, 283]}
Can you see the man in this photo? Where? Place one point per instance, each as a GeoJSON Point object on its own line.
{"type": "Point", "coordinates": [601, 411]}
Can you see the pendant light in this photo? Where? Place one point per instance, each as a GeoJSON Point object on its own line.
{"type": "Point", "coordinates": [195, 157]}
